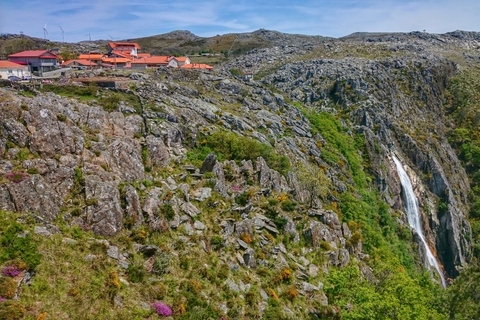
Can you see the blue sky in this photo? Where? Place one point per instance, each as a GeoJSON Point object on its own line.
{"type": "Point", "coordinates": [124, 19]}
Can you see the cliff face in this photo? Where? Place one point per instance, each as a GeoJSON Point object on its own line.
{"type": "Point", "coordinates": [299, 173]}
{"type": "Point", "coordinates": [395, 98]}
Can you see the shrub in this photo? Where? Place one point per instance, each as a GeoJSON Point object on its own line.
{"type": "Point", "coordinates": [8, 287]}
{"type": "Point", "coordinates": [292, 293]}
{"type": "Point", "coordinates": [22, 248]}
{"type": "Point", "coordinates": [11, 310]}
{"type": "Point", "coordinates": [160, 263]}
{"type": "Point", "coordinates": [288, 205]}
{"type": "Point", "coordinates": [325, 245]}
{"type": "Point", "coordinates": [243, 198]}
{"type": "Point", "coordinates": [223, 271]}
{"type": "Point", "coordinates": [61, 117]}
{"type": "Point", "coordinates": [136, 273]}
{"type": "Point", "coordinates": [162, 309]}
{"type": "Point", "coordinates": [42, 316]}
{"type": "Point", "coordinates": [91, 202]}
{"type": "Point", "coordinates": [167, 210]}
{"type": "Point", "coordinates": [246, 237]}
{"type": "Point", "coordinates": [251, 297]}
{"type": "Point", "coordinates": [112, 284]}
{"type": "Point", "coordinates": [193, 286]}
{"type": "Point", "coordinates": [236, 72]}
{"type": "Point", "coordinates": [32, 171]}
{"type": "Point", "coordinates": [216, 242]}
{"type": "Point", "coordinates": [184, 262]}
{"type": "Point", "coordinates": [73, 292]}
{"type": "Point", "coordinates": [272, 294]}
{"type": "Point", "coordinates": [280, 222]}
{"type": "Point", "coordinates": [159, 291]}
{"type": "Point", "coordinates": [285, 275]}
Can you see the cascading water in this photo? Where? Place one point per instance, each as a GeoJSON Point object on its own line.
{"type": "Point", "coordinates": [413, 214]}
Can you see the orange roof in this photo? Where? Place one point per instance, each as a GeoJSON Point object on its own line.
{"type": "Point", "coordinates": [91, 56]}
{"type": "Point", "coordinates": [153, 60]}
{"type": "Point", "coordinates": [113, 45]}
{"type": "Point", "coordinates": [116, 60]}
{"type": "Point", "coordinates": [82, 62]}
{"type": "Point", "coordinates": [10, 64]}
{"type": "Point", "coordinates": [122, 54]}
{"type": "Point", "coordinates": [197, 66]}
{"type": "Point", "coordinates": [181, 59]}
{"type": "Point", "coordinates": [34, 54]}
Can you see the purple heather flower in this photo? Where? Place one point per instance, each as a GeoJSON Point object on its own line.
{"type": "Point", "coordinates": [162, 309]}
{"type": "Point", "coordinates": [16, 177]}
{"type": "Point", "coordinates": [235, 188]}
{"type": "Point", "coordinates": [2, 299]}
{"type": "Point", "coordinates": [11, 271]}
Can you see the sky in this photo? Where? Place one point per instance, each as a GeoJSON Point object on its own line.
{"type": "Point", "coordinates": [127, 19]}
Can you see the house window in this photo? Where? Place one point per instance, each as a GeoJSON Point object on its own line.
{"type": "Point", "coordinates": [10, 71]}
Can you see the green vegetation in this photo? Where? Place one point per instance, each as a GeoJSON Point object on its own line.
{"type": "Point", "coordinates": [107, 99]}
{"type": "Point", "coordinates": [339, 144]}
{"type": "Point", "coordinates": [229, 146]}
{"type": "Point", "coordinates": [14, 247]}
{"type": "Point", "coordinates": [464, 108]}
{"type": "Point", "coordinates": [401, 292]}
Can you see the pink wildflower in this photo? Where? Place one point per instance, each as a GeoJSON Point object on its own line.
{"type": "Point", "coordinates": [11, 271]}
{"type": "Point", "coordinates": [162, 309]}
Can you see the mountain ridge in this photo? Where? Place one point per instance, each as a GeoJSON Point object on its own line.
{"type": "Point", "coordinates": [277, 198]}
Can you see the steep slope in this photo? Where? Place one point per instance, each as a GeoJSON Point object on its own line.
{"type": "Point", "coordinates": [224, 198]}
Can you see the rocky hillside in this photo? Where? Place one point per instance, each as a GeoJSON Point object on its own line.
{"type": "Point", "coordinates": [198, 195]}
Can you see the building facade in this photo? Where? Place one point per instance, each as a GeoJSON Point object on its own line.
{"type": "Point", "coordinates": [38, 61]}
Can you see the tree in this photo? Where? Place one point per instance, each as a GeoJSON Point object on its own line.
{"type": "Point", "coordinates": [462, 298]}
{"type": "Point", "coordinates": [314, 181]}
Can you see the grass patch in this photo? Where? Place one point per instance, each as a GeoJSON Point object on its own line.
{"type": "Point", "coordinates": [229, 146]}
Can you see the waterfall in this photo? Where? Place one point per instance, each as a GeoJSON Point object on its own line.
{"type": "Point", "coordinates": [413, 214]}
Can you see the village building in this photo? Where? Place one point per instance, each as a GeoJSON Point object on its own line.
{"type": "Point", "coordinates": [80, 64]}
{"type": "Point", "coordinates": [197, 66]}
{"type": "Point", "coordinates": [38, 61]}
{"type": "Point", "coordinates": [92, 56]}
{"type": "Point", "coordinates": [130, 48]}
{"type": "Point", "coordinates": [179, 61]}
{"type": "Point", "coordinates": [9, 68]}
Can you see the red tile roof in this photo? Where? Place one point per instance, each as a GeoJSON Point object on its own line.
{"type": "Point", "coordinates": [181, 59]}
{"type": "Point", "coordinates": [116, 60]}
{"type": "Point", "coordinates": [113, 45]}
{"type": "Point", "coordinates": [153, 60]}
{"type": "Point", "coordinates": [91, 56]}
{"type": "Point", "coordinates": [10, 64]}
{"type": "Point", "coordinates": [197, 66]}
{"type": "Point", "coordinates": [44, 54]}
{"type": "Point", "coordinates": [82, 62]}
{"type": "Point", "coordinates": [123, 54]}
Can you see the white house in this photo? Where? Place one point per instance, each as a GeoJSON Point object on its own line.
{"type": "Point", "coordinates": [8, 68]}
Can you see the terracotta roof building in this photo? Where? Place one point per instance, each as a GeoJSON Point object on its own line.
{"type": "Point", "coordinates": [197, 66]}
{"type": "Point", "coordinates": [37, 60]}
{"type": "Point", "coordinates": [8, 68]}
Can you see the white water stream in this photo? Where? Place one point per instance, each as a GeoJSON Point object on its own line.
{"type": "Point", "coordinates": [413, 214]}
